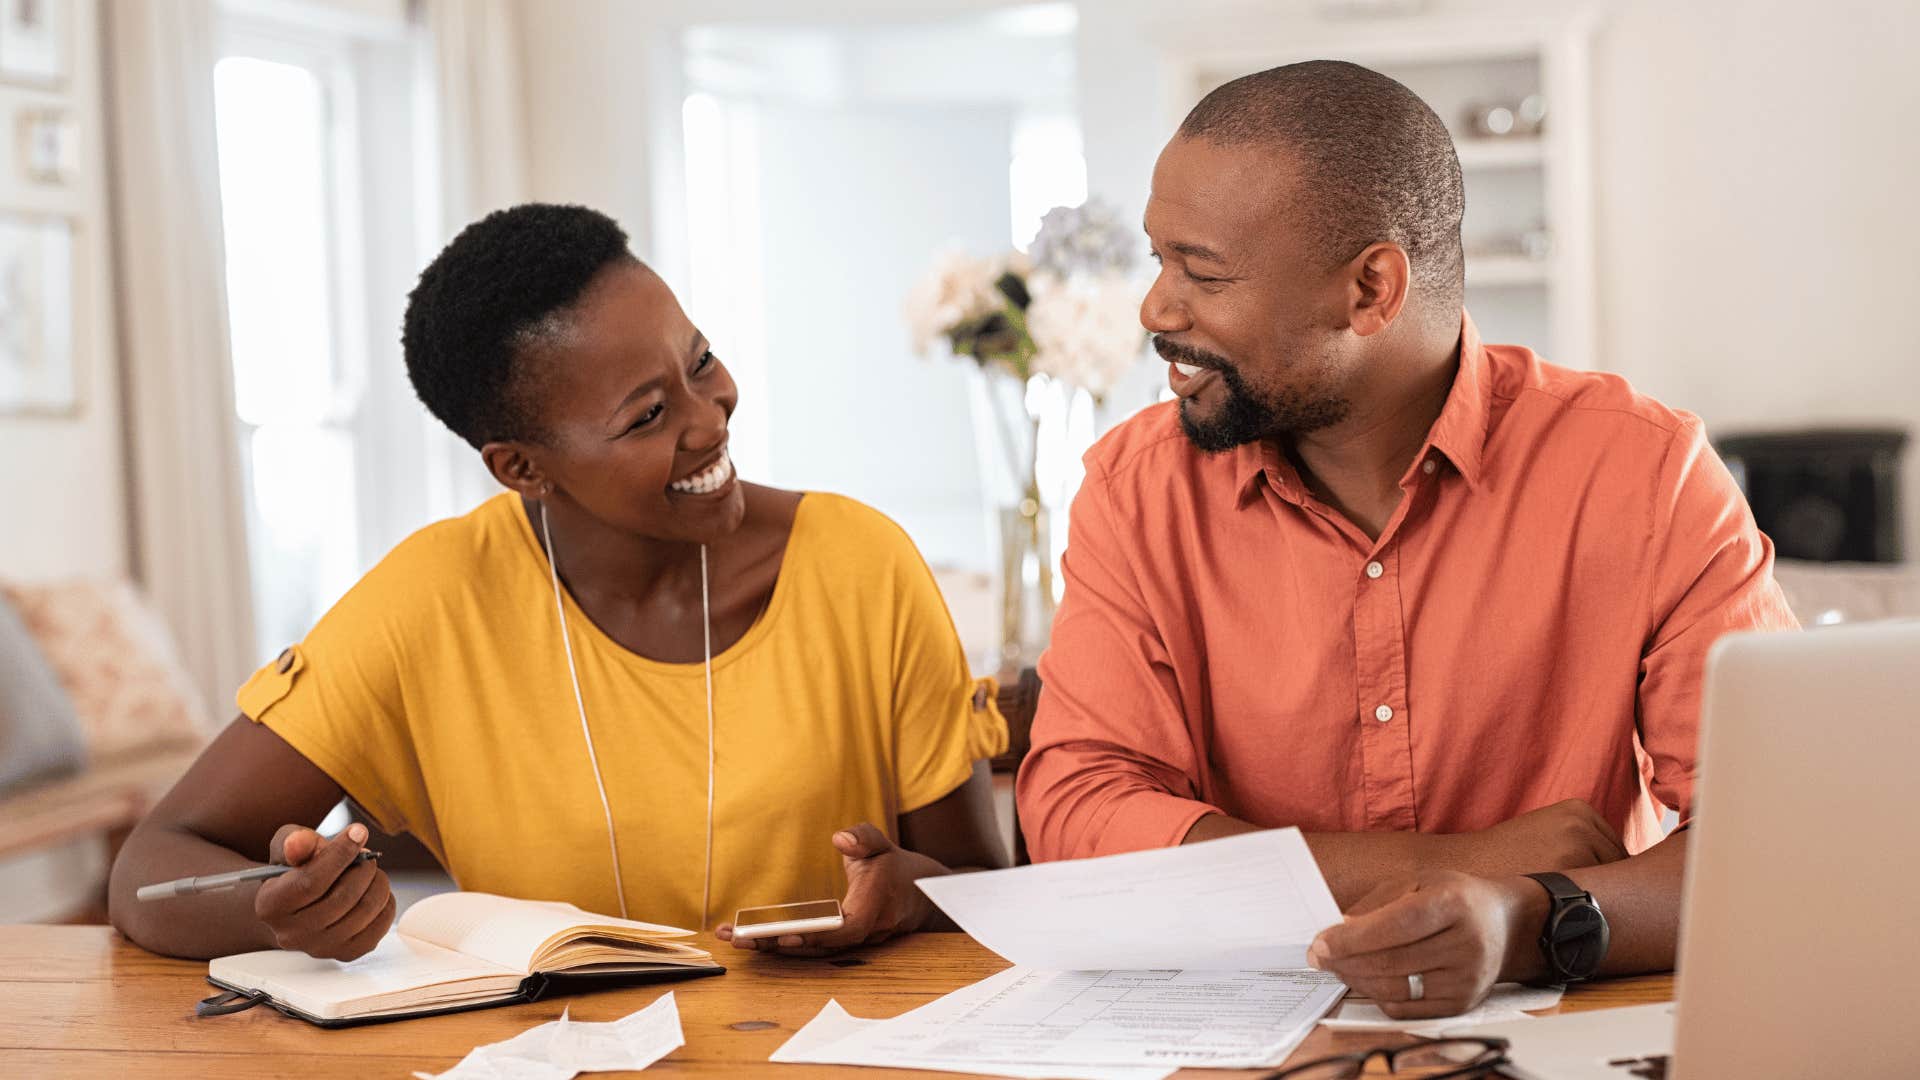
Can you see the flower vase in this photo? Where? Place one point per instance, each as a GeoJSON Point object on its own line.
{"type": "Point", "coordinates": [1026, 583]}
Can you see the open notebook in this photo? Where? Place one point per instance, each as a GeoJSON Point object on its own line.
{"type": "Point", "coordinates": [461, 951]}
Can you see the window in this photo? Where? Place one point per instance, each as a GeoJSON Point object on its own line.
{"type": "Point", "coordinates": [725, 292]}
{"type": "Point", "coordinates": [323, 465]}
{"type": "Point", "coordinates": [1047, 170]}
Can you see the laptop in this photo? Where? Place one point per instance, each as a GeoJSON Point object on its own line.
{"type": "Point", "coordinates": [1800, 927]}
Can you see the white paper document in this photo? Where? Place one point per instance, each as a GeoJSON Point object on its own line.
{"type": "Point", "coordinates": [1508, 1001]}
{"type": "Point", "coordinates": [563, 1048]}
{"type": "Point", "coordinates": [1242, 903]}
{"type": "Point", "coordinates": [1056, 1019]}
{"type": "Point", "coordinates": [813, 1044]}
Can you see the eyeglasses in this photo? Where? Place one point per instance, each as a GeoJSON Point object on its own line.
{"type": "Point", "coordinates": [1457, 1057]}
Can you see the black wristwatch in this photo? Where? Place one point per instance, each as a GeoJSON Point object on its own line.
{"type": "Point", "coordinates": [1576, 935]}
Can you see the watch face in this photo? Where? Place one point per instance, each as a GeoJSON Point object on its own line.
{"type": "Point", "coordinates": [1578, 937]}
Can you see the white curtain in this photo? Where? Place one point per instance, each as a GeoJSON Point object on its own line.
{"type": "Point", "coordinates": [474, 111]}
{"type": "Point", "coordinates": [188, 509]}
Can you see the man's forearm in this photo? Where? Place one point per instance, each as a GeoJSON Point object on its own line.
{"type": "Point", "coordinates": [1354, 864]}
{"type": "Point", "coordinates": [1567, 836]}
{"type": "Point", "coordinates": [1640, 898]}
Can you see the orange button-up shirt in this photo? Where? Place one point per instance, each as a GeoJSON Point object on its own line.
{"type": "Point", "coordinates": [1530, 626]}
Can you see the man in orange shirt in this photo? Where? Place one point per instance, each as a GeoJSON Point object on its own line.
{"type": "Point", "coordinates": [1440, 604]}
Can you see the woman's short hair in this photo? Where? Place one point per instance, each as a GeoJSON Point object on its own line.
{"type": "Point", "coordinates": [506, 282]}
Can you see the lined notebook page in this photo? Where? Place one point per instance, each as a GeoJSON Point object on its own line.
{"type": "Point", "coordinates": [398, 967]}
{"type": "Point", "coordinates": [509, 932]}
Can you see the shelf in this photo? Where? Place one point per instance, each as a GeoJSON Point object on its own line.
{"type": "Point", "coordinates": [1487, 153]}
{"type": "Point", "coordinates": [1507, 270]}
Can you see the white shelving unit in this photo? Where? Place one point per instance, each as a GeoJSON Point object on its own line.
{"type": "Point", "coordinates": [1507, 153]}
{"type": "Point", "coordinates": [1521, 189]}
{"type": "Point", "coordinates": [1505, 271]}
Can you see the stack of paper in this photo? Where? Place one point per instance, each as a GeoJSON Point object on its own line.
{"type": "Point", "coordinates": [1125, 966]}
{"type": "Point", "coordinates": [819, 1042]}
{"type": "Point", "coordinates": [1508, 1001]}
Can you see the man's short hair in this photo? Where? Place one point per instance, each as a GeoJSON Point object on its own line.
{"type": "Point", "coordinates": [1377, 163]}
{"type": "Point", "coordinates": [493, 292]}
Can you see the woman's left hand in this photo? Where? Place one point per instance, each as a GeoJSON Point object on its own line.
{"type": "Point", "coordinates": [882, 900]}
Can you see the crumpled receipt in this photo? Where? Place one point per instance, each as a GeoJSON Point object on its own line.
{"type": "Point", "coordinates": [1508, 1001]}
{"type": "Point", "coordinates": [563, 1048]}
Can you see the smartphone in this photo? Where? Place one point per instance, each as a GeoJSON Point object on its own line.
{"type": "Point", "coordinates": [774, 920]}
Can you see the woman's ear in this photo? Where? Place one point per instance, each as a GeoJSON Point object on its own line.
{"type": "Point", "coordinates": [516, 470]}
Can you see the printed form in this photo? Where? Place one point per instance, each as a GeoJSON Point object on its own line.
{"type": "Point", "coordinates": [1166, 1018]}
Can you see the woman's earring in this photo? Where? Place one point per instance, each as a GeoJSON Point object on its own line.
{"type": "Point", "coordinates": [546, 490]}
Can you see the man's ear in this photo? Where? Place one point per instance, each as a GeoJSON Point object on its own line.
{"type": "Point", "coordinates": [513, 465]}
{"type": "Point", "coordinates": [1377, 283]}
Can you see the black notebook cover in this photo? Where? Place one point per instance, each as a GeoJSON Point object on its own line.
{"type": "Point", "coordinates": [534, 987]}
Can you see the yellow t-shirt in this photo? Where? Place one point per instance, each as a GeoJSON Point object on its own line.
{"type": "Point", "coordinates": [436, 693]}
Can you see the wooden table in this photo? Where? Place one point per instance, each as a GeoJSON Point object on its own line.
{"type": "Point", "coordinates": [80, 1001]}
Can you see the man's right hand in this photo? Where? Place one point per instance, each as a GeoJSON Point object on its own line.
{"type": "Point", "coordinates": [329, 906]}
{"type": "Point", "coordinates": [1565, 836]}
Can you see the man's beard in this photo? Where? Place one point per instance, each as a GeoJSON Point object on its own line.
{"type": "Point", "coordinates": [1246, 416]}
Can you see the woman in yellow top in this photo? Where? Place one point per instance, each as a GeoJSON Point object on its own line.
{"type": "Point", "coordinates": [631, 682]}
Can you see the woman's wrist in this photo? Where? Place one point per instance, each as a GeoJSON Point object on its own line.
{"type": "Point", "coordinates": [925, 914]}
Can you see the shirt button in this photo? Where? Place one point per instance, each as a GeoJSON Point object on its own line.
{"type": "Point", "coordinates": [1374, 569]}
{"type": "Point", "coordinates": [1427, 466]}
{"type": "Point", "coordinates": [1383, 714]}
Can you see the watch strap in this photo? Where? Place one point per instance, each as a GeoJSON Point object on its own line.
{"type": "Point", "coordinates": [1564, 894]}
{"type": "Point", "coordinates": [1561, 887]}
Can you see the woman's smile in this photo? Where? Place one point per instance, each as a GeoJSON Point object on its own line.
{"type": "Point", "coordinates": [716, 479]}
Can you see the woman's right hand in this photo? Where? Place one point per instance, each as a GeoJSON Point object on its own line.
{"type": "Point", "coordinates": [330, 906]}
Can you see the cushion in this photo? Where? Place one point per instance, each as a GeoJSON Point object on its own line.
{"type": "Point", "coordinates": [40, 736]}
{"type": "Point", "coordinates": [116, 660]}
{"type": "Point", "coordinates": [1825, 593]}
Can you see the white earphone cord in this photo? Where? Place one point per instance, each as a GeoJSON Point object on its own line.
{"type": "Point", "coordinates": [706, 622]}
{"type": "Point", "coordinates": [579, 701]}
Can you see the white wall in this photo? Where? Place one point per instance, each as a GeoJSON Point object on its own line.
{"type": "Point", "coordinates": [588, 69]}
{"type": "Point", "coordinates": [603, 90]}
{"type": "Point", "coordinates": [1755, 168]}
{"type": "Point", "coordinates": [64, 514]}
{"type": "Point", "coordinates": [65, 507]}
{"type": "Point", "coordinates": [1757, 208]}
{"type": "Point", "coordinates": [855, 200]}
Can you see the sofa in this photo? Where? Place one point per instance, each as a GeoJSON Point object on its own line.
{"type": "Point", "coordinates": [97, 721]}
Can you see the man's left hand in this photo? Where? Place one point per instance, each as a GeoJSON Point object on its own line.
{"type": "Point", "coordinates": [1456, 931]}
{"type": "Point", "coordinates": [882, 900]}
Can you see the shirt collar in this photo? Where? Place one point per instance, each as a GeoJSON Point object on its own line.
{"type": "Point", "coordinates": [1261, 461]}
{"type": "Point", "coordinates": [1460, 432]}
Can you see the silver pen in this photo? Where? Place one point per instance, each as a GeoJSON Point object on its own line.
{"type": "Point", "coordinates": [190, 886]}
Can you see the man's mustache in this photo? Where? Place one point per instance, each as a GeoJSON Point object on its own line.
{"type": "Point", "coordinates": [1175, 352]}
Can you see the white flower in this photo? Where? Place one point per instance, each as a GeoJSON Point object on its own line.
{"type": "Point", "coordinates": [958, 289]}
{"type": "Point", "coordinates": [1086, 330]}
{"type": "Point", "coordinates": [1085, 239]}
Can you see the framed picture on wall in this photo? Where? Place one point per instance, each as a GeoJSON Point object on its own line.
{"type": "Point", "coordinates": [37, 370]}
{"type": "Point", "coordinates": [33, 41]}
{"type": "Point", "coordinates": [47, 146]}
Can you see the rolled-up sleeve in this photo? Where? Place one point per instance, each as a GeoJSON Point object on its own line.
{"type": "Point", "coordinates": [1113, 765]}
{"type": "Point", "coordinates": [1711, 575]}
